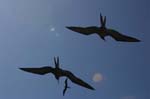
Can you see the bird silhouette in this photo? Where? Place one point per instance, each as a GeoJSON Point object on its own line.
{"type": "Point", "coordinates": [58, 72]}
{"type": "Point", "coordinates": [66, 86]}
{"type": "Point", "coordinates": [103, 31]}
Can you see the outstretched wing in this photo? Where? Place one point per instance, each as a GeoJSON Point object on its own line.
{"type": "Point", "coordinates": [120, 37]}
{"type": "Point", "coordinates": [84, 30]}
{"type": "Point", "coordinates": [40, 71]}
{"type": "Point", "coordinates": [78, 81]}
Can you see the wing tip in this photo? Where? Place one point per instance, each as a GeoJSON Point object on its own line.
{"type": "Point", "coordinates": [135, 40]}
{"type": "Point", "coordinates": [22, 68]}
{"type": "Point", "coordinates": [91, 88]}
{"type": "Point", "coordinates": [69, 27]}
{"type": "Point", "coordinates": [129, 40]}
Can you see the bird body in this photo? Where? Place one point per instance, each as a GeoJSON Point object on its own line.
{"type": "Point", "coordinates": [58, 72]}
{"type": "Point", "coordinates": [103, 31]}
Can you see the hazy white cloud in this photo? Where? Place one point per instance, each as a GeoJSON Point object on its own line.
{"type": "Point", "coordinates": [52, 29]}
{"type": "Point", "coordinates": [97, 77]}
{"type": "Point", "coordinates": [128, 97]}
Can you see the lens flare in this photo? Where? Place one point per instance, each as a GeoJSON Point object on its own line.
{"type": "Point", "coordinates": [97, 77]}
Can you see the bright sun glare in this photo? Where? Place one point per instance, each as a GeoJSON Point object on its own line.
{"type": "Point", "coordinates": [97, 77]}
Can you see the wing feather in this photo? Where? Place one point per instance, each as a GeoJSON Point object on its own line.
{"type": "Point", "coordinates": [40, 71]}
{"type": "Point", "coordinates": [84, 30]}
{"type": "Point", "coordinates": [120, 37]}
{"type": "Point", "coordinates": [77, 80]}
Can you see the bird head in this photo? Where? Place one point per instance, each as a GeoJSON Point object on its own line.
{"type": "Point", "coordinates": [57, 77]}
{"type": "Point", "coordinates": [103, 38]}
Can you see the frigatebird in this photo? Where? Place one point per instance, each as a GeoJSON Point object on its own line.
{"type": "Point", "coordinates": [58, 72]}
{"type": "Point", "coordinates": [103, 31]}
{"type": "Point", "coordinates": [66, 86]}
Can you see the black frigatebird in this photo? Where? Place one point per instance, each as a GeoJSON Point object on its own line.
{"type": "Point", "coordinates": [66, 86]}
{"type": "Point", "coordinates": [58, 72]}
{"type": "Point", "coordinates": [103, 31]}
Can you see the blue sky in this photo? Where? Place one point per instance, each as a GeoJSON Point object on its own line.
{"type": "Point", "coordinates": [32, 32]}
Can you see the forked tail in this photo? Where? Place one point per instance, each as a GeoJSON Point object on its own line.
{"type": "Point", "coordinates": [56, 61]}
{"type": "Point", "coordinates": [102, 20]}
